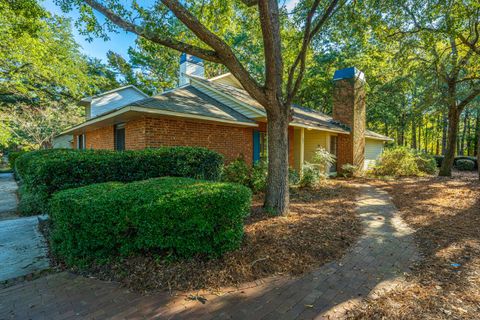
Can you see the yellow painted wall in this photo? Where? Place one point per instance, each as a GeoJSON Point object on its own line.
{"type": "Point", "coordinates": [313, 140]}
{"type": "Point", "coordinates": [296, 148]}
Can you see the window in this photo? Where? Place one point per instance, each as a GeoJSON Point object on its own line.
{"type": "Point", "coordinates": [119, 137]}
{"type": "Point", "coordinates": [333, 145]}
{"type": "Point", "coordinates": [81, 141]}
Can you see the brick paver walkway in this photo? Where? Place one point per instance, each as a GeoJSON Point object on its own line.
{"type": "Point", "coordinates": [374, 264]}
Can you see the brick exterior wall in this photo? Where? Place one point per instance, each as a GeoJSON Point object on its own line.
{"type": "Point", "coordinates": [101, 138]}
{"type": "Point", "coordinates": [146, 132]}
{"type": "Point", "coordinates": [232, 142]}
{"type": "Point", "coordinates": [349, 108]}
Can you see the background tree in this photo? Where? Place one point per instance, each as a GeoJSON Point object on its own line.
{"type": "Point", "coordinates": [42, 74]}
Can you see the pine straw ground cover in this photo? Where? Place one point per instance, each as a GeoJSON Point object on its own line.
{"type": "Point", "coordinates": [321, 225]}
{"type": "Point", "coordinates": [445, 214]}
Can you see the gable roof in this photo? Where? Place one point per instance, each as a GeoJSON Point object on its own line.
{"type": "Point", "coordinates": [189, 100]}
{"type": "Point", "coordinates": [302, 117]}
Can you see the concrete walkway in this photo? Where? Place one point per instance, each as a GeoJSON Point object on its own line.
{"type": "Point", "coordinates": [373, 265]}
{"type": "Point", "coordinates": [22, 248]}
{"type": "Point", "coordinates": [8, 196]}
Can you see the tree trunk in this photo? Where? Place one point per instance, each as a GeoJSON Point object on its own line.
{"type": "Point", "coordinates": [444, 133]}
{"type": "Point", "coordinates": [453, 120]}
{"type": "Point", "coordinates": [477, 133]}
{"type": "Point", "coordinates": [464, 133]}
{"type": "Point", "coordinates": [414, 133]}
{"type": "Point", "coordinates": [277, 193]}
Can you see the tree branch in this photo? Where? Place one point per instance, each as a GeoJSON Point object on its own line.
{"type": "Point", "coordinates": [225, 53]}
{"type": "Point", "coordinates": [307, 38]}
{"type": "Point", "coordinates": [469, 98]}
{"type": "Point", "coordinates": [205, 54]}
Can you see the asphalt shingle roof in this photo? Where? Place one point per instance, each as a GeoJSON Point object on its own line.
{"type": "Point", "coordinates": [191, 101]}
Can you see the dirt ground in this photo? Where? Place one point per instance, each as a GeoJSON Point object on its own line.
{"type": "Point", "coordinates": [321, 225]}
{"type": "Point", "coordinates": [445, 212]}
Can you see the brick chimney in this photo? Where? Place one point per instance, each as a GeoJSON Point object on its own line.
{"type": "Point", "coordinates": [349, 109]}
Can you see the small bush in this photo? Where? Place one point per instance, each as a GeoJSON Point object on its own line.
{"type": "Point", "coordinates": [349, 170]}
{"type": "Point", "coordinates": [465, 165]}
{"type": "Point", "coordinates": [426, 163]}
{"type": "Point", "coordinates": [293, 177]}
{"type": "Point", "coordinates": [402, 161]}
{"type": "Point", "coordinates": [258, 179]}
{"type": "Point", "coordinates": [323, 159]}
{"type": "Point", "coordinates": [237, 171]}
{"type": "Point", "coordinates": [44, 172]}
{"type": "Point", "coordinates": [311, 175]}
{"type": "Point", "coordinates": [180, 217]}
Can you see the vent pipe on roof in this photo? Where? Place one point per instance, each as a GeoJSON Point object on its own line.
{"type": "Point", "coordinates": [190, 65]}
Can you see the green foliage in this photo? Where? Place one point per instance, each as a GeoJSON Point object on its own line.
{"type": "Point", "coordinates": [323, 159]}
{"type": "Point", "coordinates": [311, 175]}
{"type": "Point", "coordinates": [12, 157]}
{"type": "Point", "coordinates": [176, 216]}
{"type": "Point", "coordinates": [465, 165]}
{"type": "Point", "coordinates": [258, 179]}
{"type": "Point", "coordinates": [237, 171]}
{"type": "Point", "coordinates": [44, 172]}
{"type": "Point", "coordinates": [402, 161]}
{"type": "Point", "coordinates": [293, 177]}
{"type": "Point", "coordinates": [349, 170]}
{"type": "Point", "coordinates": [254, 177]}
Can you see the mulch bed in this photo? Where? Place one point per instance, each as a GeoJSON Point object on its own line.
{"type": "Point", "coordinates": [321, 225]}
{"type": "Point", "coordinates": [445, 212]}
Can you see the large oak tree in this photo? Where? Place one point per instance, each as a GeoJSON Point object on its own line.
{"type": "Point", "coordinates": [201, 28]}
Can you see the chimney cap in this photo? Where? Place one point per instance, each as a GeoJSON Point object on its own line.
{"type": "Point", "coordinates": [189, 58]}
{"type": "Point", "coordinates": [348, 73]}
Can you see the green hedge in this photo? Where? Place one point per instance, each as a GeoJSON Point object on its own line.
{"type": "Point", "coordinates": [12, 157]}
{"type": "Point", "coordinates": [47, 171]}
{"type": "Point", "coordinates": [465, 165]}
{"type": "Point", "coordinates": [177, 216]}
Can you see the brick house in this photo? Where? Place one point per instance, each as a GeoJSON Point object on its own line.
{"type": "Point", "coordinates": [218, 114]}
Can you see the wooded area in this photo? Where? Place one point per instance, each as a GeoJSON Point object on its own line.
{"type": "Point", "coordinates": [421, 60]}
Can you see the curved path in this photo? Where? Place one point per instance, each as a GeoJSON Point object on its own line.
{"type": "Point", "coordinates": [378, 260]}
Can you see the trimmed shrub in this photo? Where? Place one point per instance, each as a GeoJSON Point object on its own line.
{"type": "Point", "coordinates": [465, 165]}
{"type": "Point", "coordinates": [178, 217]}
{"type": "Point", "coordinates": [12, 157]}
{"type": "Point", "coordinates": [402, 161]}
{"type": "Point", "coordinates": [47, 171]}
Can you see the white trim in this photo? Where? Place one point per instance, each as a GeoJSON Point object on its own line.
{"type": "Point", "coordinates": [243, 104]}
{"type": "Point", "coordinates": [155, 111]}
{"type": "Point", "coordinates": [298, 125]}
{"type": "Point", "coordinates": [378, 138]}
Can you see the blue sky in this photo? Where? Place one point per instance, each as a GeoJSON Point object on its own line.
{"type": "Point", "coordinates": [119, 42]}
